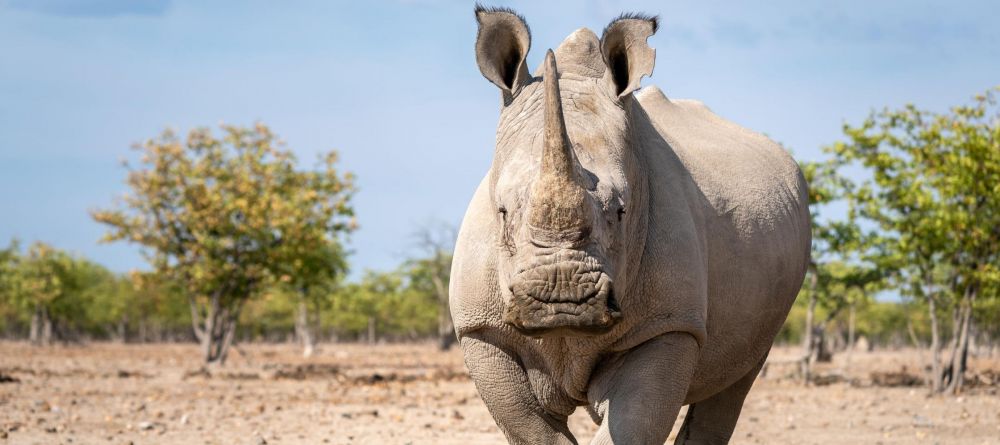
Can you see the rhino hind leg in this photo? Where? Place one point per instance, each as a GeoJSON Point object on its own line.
{"type": "Point", "coordinates": [712, 421]}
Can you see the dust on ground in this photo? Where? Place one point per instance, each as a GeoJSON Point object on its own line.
{"type": "Point", "coordinates": [414, 394]}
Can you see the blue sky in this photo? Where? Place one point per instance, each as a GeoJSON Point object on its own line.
{"type": "Point", "coordinates": [394, 87]}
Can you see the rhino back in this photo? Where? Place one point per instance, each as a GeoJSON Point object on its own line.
{"type": "Point", "coordinates": [751, 205]}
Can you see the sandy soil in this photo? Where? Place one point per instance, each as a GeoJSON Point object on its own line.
{"type": "Point", "coordinates": [403, 394]}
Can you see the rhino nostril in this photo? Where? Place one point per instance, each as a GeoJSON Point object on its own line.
{"type": "Point", "coordinates": [612, 301]}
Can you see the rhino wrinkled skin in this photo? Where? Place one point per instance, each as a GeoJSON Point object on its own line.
{"type": "Point", "coordinates": [625, 252]}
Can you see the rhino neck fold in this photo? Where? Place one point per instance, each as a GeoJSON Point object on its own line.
{"type": "Point", "coordinates": [559, 209]}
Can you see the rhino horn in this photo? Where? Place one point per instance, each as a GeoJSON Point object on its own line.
{"type": "Point", "coordinates": [559, 207]}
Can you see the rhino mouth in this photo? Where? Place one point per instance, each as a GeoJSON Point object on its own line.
{"type": "Point", "coordinates": [562, 300]}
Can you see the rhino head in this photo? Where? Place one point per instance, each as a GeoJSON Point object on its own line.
{"type": "Point", "coordinates": [566, 181]}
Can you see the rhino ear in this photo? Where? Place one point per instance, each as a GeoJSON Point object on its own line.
{"type": "Point", "coordinates": [626, 52]}
{"type": "Point", "coordinates": [501, 47]}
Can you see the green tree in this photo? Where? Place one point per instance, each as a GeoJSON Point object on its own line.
{"type": "Point", "coordinates": [385, 305]}
{"type": "Point", "coordinates": [101, 301]}
{"type": "Point", "coordinates": [825, 187]}
{"type": "Point", "coordinates": [365, 309]}
{"type": "Point", "coordinates": [934, 193]}
{"type": "Point", "coordinates": [157, 309]}
{"type": "Point", "coordinates": [312, 273]}
{"type": "Point", "coordinates": [844, 269]}
{"type": "Point", "coordinates": [10, 258]}
{"type": "Point", "coordinates": [225, 216]}
{"type": "Point", "coordinates": [430, 276]}
{"type": "Point", "coordinates": [47, 283]}
{"type": "Point", "coordinates": [60, 295]}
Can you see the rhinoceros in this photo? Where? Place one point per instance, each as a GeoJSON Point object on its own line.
{"type": "Point", "coordinates": [625, 251]}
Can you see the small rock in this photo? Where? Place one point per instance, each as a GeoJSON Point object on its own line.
{"type": "Point", "coordinates": [4, 378]}
{"type": "Point", "coordinates": [145, 425]}
{"type": "Point", "coordinates": [922, 422]}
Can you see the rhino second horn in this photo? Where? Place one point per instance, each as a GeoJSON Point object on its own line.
{"type": "Point", "coordinates": [559, 207]}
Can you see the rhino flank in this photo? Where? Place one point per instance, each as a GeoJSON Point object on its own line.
{"type": "Point", "coordinates": [625, 252]}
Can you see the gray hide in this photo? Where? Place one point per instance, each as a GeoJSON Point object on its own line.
{"type": "Point", "coordinates": [625, 252]}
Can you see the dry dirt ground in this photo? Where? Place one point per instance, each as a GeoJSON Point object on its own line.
{"type": "Point", "coordinates": [400, 394]}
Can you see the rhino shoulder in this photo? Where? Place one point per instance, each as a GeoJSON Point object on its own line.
{"type": "Point", "coordinates": [473, 291]}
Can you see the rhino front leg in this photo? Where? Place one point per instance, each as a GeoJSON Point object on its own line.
{"type": "Point", "coordinates": [712, 421]}
{"type": "Point", "coordinates": [503, 385]}
{"type": "Point", "coordinates": [637, 396]}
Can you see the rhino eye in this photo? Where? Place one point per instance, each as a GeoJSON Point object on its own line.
{"type": "Point", "coordinates": [503, 212]}
{"type": "Point", "coordinates": [621, 213]}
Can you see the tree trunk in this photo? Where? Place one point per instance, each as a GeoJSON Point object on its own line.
{"type": "Point", "coordinates": [975, 342]}
{"type": "Point", "coordinates": [962, 361]}
{"type": "Point", "coordinates": [807, 343]}
{"type": "Point", "coordinates": [121, 330]}
{"type": "Point", "coordinates": [960, 357]}
{"type": "Point", "coordinates": [303, 330]}
{"type": "Point", "coordinates": [41, 326]}
{"type": "Point", "coordinates": [446, 328]}
{"type": "Point", "coordinates": [40, 333]}
{"type": "Point", "coordinates": [949, 374]}
{"type": "Point", "coordinates": [217, 330]}
{"type": "Point", "coordinates": [227, 337]}
{"type": "Point", "coordinates": [838, 341]}
{"type": "Point", "coordinates": [35, 333]}
{"type": "Point", "coordinates": [211, 326]}
{"type": "Point", "coordinates": [371, 330]}
{"type": "Point", "coordinates": [821, 348]}
{"type": "Point", "coordinates": [46, 327]}
{"type": "Point", "coordinates": [957, 314]}
{"type": "Point", "coordinates": [850, 339]}
{"type": "Point", "coordinates": [935, 344]}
